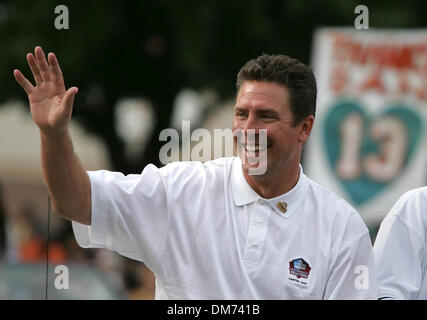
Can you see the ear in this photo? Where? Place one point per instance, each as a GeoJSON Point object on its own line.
{"type": "Point", "coordinates": [305, 127]}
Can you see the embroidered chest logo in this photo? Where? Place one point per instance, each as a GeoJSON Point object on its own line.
{"type": "Point", "coordinates": [299, 268]}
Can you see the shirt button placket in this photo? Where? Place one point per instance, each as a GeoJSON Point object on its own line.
{"type": "Point", "coordinates": [257, 231]}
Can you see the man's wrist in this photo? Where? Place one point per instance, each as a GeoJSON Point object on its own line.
{"type": "Point", "coordinates": [54, 134]}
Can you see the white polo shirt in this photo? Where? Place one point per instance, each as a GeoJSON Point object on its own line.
{"type": "Point", "coordinates": [206, 234]}
{"type": "Point", "coordinates": [400, 249]}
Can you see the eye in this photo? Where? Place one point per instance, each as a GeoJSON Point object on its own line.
{"type": "Point", "coordinates": [240, 114]}
{"type": "Point", "coordinates": [269, 116]}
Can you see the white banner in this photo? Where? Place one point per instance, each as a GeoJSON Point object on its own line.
{"type": "Point", "coordinates": [369, 141]}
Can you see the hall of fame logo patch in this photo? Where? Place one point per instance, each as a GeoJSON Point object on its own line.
{"type": "Point", "coordinates": [300, 269]}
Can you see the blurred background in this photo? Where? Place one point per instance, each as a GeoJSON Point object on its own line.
{"type": "Point", "coordinates": [143, 66]}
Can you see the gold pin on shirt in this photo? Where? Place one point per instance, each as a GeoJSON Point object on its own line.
{"type": "Point", "coordinates": [283, 206]}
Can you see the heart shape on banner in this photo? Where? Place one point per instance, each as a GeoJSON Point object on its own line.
{"type": "Point", "coordinates": [362, 187]}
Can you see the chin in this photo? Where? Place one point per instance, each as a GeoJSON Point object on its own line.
{"type": "Point", "coordinates": [255, 170]}
{"type": "Point", "coordinates": [255, 164]}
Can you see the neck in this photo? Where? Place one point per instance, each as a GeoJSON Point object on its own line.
{"type": "Point", "coordinates": [273, 184]}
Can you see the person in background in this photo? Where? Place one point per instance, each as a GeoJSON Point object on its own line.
{"type": "Point", "coordinates": [3, 244]}
{"type": "Point", "coordinates": [400, 249]}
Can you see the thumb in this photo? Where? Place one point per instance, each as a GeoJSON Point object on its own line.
{"type": "Point", "coordinates": [68, 99]}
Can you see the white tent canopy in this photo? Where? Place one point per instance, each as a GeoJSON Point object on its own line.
{"type": "Point", "coordinates": [20, 145]}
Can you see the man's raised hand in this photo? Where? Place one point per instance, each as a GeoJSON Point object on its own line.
{"type": "Point", "coordinates": [51, 105]}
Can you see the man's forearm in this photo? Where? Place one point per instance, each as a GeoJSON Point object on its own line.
{"type": "Point", "coordinates": [67, 181]}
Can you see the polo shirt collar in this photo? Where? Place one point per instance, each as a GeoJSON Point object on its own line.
{"type": "Point", "coordinates": [243, 193]}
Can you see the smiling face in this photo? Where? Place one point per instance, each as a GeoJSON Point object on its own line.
{"type": "Point", "coordinates": [265, 105]}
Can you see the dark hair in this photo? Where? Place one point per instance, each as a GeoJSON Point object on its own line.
{"type": "Point", "coordinates": [297, 77]}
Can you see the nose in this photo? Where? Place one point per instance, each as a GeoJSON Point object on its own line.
{"type": "Point", "coordinates": [252, 130]}
{"type": "Point", "coordinates": [251, 124]}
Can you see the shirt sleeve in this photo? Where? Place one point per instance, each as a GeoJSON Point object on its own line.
{"type": "Point", "coordinates": [352, 272]}
{"type": "Point", "coordinates": [129, 215]}
{"type": "Point", "coordinates": [399, 249]}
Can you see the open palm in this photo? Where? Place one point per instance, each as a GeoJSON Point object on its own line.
{"type": "Point", "coordinates": [51, 105]}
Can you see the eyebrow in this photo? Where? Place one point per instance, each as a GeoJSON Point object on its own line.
{"type": "Point", "coordinates": [259, 111]}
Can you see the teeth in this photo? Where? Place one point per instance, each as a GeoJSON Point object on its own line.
{"type": "Point", "coordinates": [254, 148]}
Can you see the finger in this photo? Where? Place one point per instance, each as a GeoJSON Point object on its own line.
{"type": "Point", "coordinates": [55, 69]}
{"type": "Point", "coordinates": [68, 99]}
{"type": "Point", "coordinates": [24, 83]}
{"type": "Point", "coordinates": [34, 68]}
{"type": "Point", "coordinates": [42, 63]}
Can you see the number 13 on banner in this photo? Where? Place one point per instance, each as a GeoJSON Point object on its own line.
{"type": "Point", "coordinates": [367, 152]}
{"type": "Point", "coordinates": [392, 137]}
